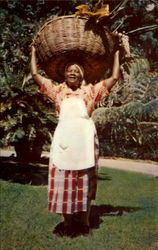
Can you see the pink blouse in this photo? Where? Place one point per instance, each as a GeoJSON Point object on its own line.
{"type": "Point", "coordinates": [91, 94]}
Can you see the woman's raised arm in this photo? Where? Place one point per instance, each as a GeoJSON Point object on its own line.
{"type": "Point", "coordinates": [33, 68]}
{"type": "Point", "coordinates": [102, 88]}
{"type": "Point", "coordinates": [47, 87]}
{"type": "Point", "coordinates": [124, 47]}
{"type": "Point", "coordinates": [110, 82]}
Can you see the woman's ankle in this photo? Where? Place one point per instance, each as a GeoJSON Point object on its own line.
{"type": "Point", "coordinates": [67, 219]}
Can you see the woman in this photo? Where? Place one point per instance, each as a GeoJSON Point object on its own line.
{"type": "Point", "coordinates": [74, 151]}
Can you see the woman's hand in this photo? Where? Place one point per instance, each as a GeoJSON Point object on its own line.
{"type": "Point", "coordinates": [122, 44]}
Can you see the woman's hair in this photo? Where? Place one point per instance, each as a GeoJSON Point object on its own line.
{"type": "Point", "coordinates": [80, 68]}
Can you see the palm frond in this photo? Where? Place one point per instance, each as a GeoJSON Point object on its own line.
{"type": "Point", "coordinates": [118, 8]}
{"type": "Point", "coordinates": [143, 29]}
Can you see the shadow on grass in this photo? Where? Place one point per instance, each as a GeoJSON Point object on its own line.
{"type": "Point", "coordinates": [30, 173]}
{"type": "Point", "coordinates": [108, 210]}
{"type": "Point", "coordinates": [15, 171]}
{"type": "Point", "coordinates": [104, 177]}
{"type": "Point", "coordinates": [97, 212]}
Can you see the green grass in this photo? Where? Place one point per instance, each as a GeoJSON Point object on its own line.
{"type": "Point", "coordinates": [125, 216]}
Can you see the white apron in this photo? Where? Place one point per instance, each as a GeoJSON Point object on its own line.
{"type": "Point", "coordinates": [73, 142]}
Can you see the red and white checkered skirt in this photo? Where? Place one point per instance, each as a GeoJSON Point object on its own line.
{"type": "Point", "coordinates": [70, 191]}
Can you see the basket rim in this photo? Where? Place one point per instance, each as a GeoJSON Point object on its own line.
{"type": "Point", "coordinates": [55, 18]}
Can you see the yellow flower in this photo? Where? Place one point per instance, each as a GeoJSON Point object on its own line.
{"type": "Point", "coordinates": [84, 10]}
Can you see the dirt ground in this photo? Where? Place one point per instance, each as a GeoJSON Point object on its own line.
{"type": "Point", "coordinates": [150, 168]}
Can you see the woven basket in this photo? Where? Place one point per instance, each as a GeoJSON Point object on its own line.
{"type": "Point", "coordinates": [68, 39]}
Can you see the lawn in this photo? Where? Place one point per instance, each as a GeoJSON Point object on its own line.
{"type": "Point", "coordinates": [124, 216]}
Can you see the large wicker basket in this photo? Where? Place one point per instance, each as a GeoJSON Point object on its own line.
{"type": "Point", "coordinates": [67, 39]}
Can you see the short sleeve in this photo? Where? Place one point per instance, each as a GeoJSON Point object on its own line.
{"type": "Point", "coordinates": [49, 89]}
{"type": "Point", "coordinates": [100, 91]}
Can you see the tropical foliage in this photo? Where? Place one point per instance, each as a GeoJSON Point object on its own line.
{"type": "Point", "coordinates": [129, 131]}
{"type": "Point", "coordinates": [129, 125]}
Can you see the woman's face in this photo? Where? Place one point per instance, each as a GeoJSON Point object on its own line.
{"type": "Point", "coordinates": [73, 77]}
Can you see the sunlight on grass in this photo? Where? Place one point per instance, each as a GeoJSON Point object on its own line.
{"type": "Point", "coordinates": [123, 215]}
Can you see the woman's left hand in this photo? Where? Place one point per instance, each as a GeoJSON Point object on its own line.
{"type": "Point", "coordinates": [123, 42]}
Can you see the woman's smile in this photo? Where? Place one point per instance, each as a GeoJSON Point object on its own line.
{"type": "Point", "coordinates": [73, 76]}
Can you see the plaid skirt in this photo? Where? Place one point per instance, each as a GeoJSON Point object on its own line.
{"type": "Point", "coordinates": [70, 191]}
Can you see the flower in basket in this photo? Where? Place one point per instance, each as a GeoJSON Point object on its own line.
{"type": "Point", "coordinates": [97, 12]}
